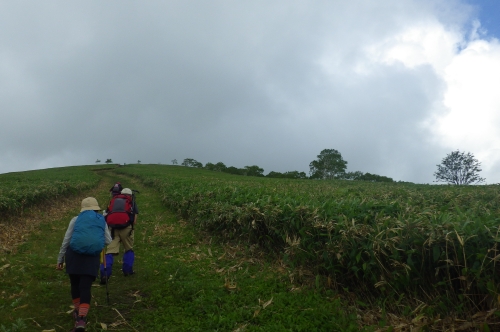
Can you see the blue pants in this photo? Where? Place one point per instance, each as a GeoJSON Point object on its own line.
{"type": "Point", "coordinates": [127, 266]}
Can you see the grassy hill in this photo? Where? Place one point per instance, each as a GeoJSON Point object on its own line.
{"type": "Point", "coordinates": [221, 252]}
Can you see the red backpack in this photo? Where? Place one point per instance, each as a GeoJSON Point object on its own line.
{"type": "Point", "coordinates": [120, 213]}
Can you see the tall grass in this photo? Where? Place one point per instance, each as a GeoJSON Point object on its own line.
{"type": "Point", "coordinates": [183, 281]}
{"type": "Point", "coordinates": [19, 190]}
{"type": "Point", "coordinates": [435, 245]}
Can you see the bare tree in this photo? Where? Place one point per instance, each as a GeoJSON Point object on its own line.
{"type": "Point", "coordinates": [459, 168]}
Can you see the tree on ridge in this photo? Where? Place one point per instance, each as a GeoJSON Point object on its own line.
{"type": "Point", "coordinates": [329, 165]}
{"type": "Point", "coordinates": [459, 168]}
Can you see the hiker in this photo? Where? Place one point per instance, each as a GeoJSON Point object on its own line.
{"type": "Point", "coordinates": [116, 189]}
{"type": "Point", "coordinates": [85, 238]}
{"type": "Point", "coordinates": [121, 216]}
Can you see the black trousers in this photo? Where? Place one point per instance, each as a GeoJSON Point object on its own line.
{"type": "Point", "coordinates": [80, 287]}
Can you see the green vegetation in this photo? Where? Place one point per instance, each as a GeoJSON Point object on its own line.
{"type": "Point", "coordinates": [288, 175]}
{"type": "Point", "coordinates": [184, 281]}
{"type": "Point", "coordinates": [19, 190]}
{"type": "Point", "coordinates": [329, 165]}
{"type": "Point", "coordinates": [360, 176]}
{"type": "Point", "coordinates": [259, 254]}
{"type": "Point", "coordinates": [389, 243]}
{"type": "Point", "coordinates": [459, 168]}
{"type": "Point", "coordinates": [189, 162]}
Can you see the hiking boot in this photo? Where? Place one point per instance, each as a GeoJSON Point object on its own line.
{"type": "Point", "coordinates": [126, 274]}
{"type": "Point", "coordinates": [104, 280]}
{"type": "Point", "coordinates": [81, 324]}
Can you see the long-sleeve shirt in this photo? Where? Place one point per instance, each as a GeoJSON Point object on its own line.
{"type": "Point", "coordinates": [67, 239]}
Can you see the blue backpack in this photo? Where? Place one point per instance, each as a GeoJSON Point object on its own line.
{"type": "Point", "coordinates": [88, 234]}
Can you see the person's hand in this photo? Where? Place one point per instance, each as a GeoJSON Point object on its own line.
{"type": "Point", "coordinates": [59, 266]}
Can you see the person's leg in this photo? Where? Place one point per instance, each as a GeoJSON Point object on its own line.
{"type": "Point", "coordinates": [107, 269]}
{"type": "Point", "coordinates": [128, 247]}
{"type": "Point", "coordinates": [85, 286]}
{"type": "Point", "coordinates": [85, 295]}
{"type": "Point", "coordinates": [112, 250]}
{"type": "Point", "coordinates": [74, 280]}
{"type": "Point", "coordinates": [128, 263]}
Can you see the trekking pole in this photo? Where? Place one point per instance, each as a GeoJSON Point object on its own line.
{"type": "Point", "coordinates": [133, 205]}
{"type": "Point", "coordinates": [105, 274]}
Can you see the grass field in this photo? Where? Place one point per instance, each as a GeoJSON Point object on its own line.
{"type": "Point", "coordinates": [218, 252]}
{"type": "Point", "coordinates": [411, 249]}
{"type": "Point", "coordinates": [19, 190]}
{"type": "Point", "coordinates": [185, 281]}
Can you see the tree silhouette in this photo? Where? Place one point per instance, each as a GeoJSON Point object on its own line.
{"type": "Point", "coordinates": [459, 168]}
{"type": "Point", "coordinates": [329, 165]}
{"type": "Point", "coordinates": [189, 162]}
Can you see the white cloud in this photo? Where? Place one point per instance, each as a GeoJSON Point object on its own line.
{"type": "Point", "coordinates": [466, 115]}
{"type": "Point", "coordinates": [425, 43]}
{"type": "Point", "coordinates": [472, 101]}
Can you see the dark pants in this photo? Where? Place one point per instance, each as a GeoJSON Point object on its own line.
{"type": "Point", "coordinates": [80, 287]}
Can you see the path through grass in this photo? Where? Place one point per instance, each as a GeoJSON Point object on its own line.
{"type": "Point", "coordinates": [184, 281]}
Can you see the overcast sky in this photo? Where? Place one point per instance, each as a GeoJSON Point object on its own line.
{"type": "Point", "coordinates": [393, 85]}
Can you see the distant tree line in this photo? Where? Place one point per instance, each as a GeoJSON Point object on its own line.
{"type": "Point", "coordinates": [360, 176]}
{"type": "Point", "coordinates": [457, 168]}
{"type": "Point", "coordinates": [328, 166]}
{"type": "Point", "coordinates": [108, 161]}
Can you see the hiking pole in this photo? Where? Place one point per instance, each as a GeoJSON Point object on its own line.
{"type": "Point", "coordinates": [133, 207]}
{"type": "Point", "coordinates": [133, 194]}
{"type": "Point", "coordinates": [105, 274]}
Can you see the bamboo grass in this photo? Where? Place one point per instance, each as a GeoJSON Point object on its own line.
{"type": "Point", "coordinates": [436, 245]}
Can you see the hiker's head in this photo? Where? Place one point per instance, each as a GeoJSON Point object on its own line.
{"type": "Point", "coordinates": [89, 203]}
{"type": "Point", "coordinates": [116, 189]}
{"type": "Point", "coordinates": [126, 191]}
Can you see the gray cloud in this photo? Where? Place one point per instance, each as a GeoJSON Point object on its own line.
{"type": "Point", "coordinates": [243, 83]}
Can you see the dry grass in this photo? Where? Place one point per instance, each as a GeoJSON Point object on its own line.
{"type": "Point", "coordinates": [17, 227]}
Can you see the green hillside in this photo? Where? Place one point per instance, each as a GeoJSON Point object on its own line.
{"type": "Point", "coordinates": [19, 190]}
{"type": "Point", "coordinates": [432, 244]}
{"type": "Point", "coordinates": [221, 252]}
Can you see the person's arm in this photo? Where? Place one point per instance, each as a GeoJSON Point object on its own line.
{"type": "Point", "coordinates": [65, 244]}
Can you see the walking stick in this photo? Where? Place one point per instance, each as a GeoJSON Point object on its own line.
{"type": "Point", "coordinates": [105, 274]}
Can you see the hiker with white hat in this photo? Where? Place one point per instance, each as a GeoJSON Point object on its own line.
{"type": "Point", "coordinates": [121, 216]}
{"type": "Point", "coordinates": [85, 238]}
